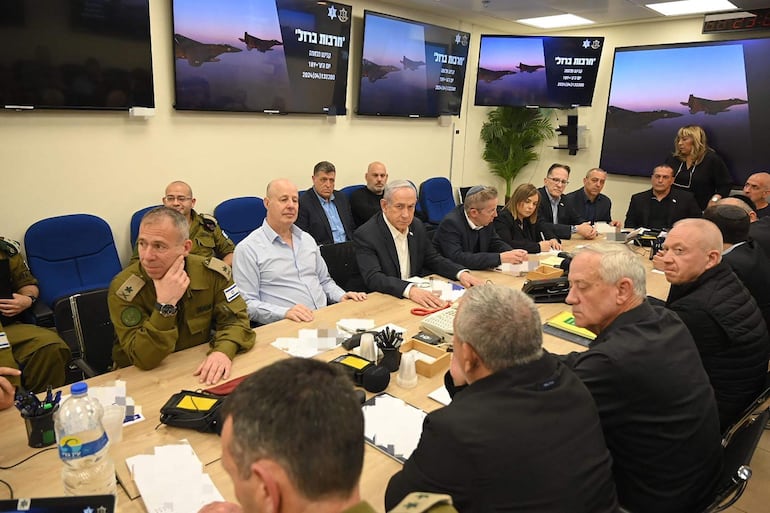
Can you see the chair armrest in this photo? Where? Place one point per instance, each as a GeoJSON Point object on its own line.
{"type": "Point", "coordinates": [40, 314]}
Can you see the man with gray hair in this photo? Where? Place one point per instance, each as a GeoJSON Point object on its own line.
{"type": "Point", "coordinates": [722, 316]}
{"type": "Point", "coordinates": [171, 300]}
{"type": "Point", "coordinates": [393, 246]}
{"type": "Point", "coordinates": [466, 234]}
{"type": "Point", "coordinates": [655, 401]}
{"type": "Point", "coordinates": [522, 415]}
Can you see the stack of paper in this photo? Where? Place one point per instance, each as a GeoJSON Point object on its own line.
{"type": "Point", "coordinates": [172, 480]}
{"type": "Point", "coordinates": [392, 425]}
{"type": "Point", "coordinates": [308, 343]}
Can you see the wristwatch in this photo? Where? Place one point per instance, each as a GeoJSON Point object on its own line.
{"type": "Point", "coordinates": [165, 309]}
{"type": "Point", "coordinates": [33, 298]}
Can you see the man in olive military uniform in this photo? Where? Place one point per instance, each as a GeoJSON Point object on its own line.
{"type": "Point", "coordinates": [306, 452]}
{"type": "Point", "coordinates": [38, 352]}
{"type": "Point", "coordinates": [171, 300]}
{"type": "Point", "coordinates": [206, 235]}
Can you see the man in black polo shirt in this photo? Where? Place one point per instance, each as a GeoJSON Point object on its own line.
{"type": "Point", "coordinates": [655, 401]}
{"type": "Point", "coordinates": [588, 202]}
{"type": "Point", "coordinates": [660, 207]}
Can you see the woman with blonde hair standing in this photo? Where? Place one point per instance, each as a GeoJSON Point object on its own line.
{"type": "Point", "coordinates": [697, 168]}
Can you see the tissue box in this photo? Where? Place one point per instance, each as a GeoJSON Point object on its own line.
{"type": "Point", "coordinates": [424, 368]}
{"type": "Point", "coordinates": [544, 272]}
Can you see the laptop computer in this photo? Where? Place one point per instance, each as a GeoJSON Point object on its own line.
{"type": "Point", "coordinates": [81, 504]}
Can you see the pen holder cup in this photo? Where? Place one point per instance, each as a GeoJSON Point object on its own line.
{"type": "Point", "coordinates": [40, 432]}
{"type": "Point", "coordinates": [391, 359]}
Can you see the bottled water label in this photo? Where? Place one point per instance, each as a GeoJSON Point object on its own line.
{"type": "Point", "coordinates": [71, 447]}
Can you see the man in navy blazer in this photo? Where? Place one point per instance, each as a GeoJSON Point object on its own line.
{"type": "Point", "coordinates": [325, 212]}
{"type": "Point", "coordinates": [393, 246]}
{"type": "Point", "coordinates": [588, 202]}
{"type": "Point", "coordinates": [562, 218]}
{"type": "Point", "coordinates": [466, 234]}
{"type": "Point", "coordinates": [662, 205]}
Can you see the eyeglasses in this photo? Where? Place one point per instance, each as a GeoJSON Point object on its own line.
{"type": "Point", "coordinates": [180, 199]}
{"type": "Point", "coordinates": [558, 180]}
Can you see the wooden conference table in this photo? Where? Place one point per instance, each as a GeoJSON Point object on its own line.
{"type": "Point", "coordinates": [40, 476]}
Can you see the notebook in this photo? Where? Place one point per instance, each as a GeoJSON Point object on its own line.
{"type": "Point", "coordinates": [80, 504]}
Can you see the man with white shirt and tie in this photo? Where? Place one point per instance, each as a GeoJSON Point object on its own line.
{"type": "Point", "coordinates": [393, 246]}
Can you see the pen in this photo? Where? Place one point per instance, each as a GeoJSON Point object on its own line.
{"type": "Point", "coordinates": [542, 237]}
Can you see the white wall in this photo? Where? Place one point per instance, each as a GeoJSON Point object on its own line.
{"type": "Point", "coordinates": [105, 163]}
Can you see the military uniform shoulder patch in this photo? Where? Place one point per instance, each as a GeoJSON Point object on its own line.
{"type": "Point", "coordinates": [131, 316]}
{"type": "Point", "coordinates": [10, 247]}
{"type": "Point", "coordinates": [208, 221]}
{"type": "Point", "coordinates": [219, 266]}
{"type": "Point", "coordinates": [418, 502]}
{"type": "Point", "coordinates": [130, 288]}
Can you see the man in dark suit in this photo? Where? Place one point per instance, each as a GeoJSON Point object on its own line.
{"type": "Point", "coordinates": [325, 212]}
{"type": "Point", "coordinates": [661, 206]}
{"type": "Point", "coordinates": [466, 234]}
{"type": "Point", "coordinates": [588, 202]}
{"type": "Point", "coordinates": [520, 405]}
{"type": "Point", "coordinates": [393, 246]}
{"type": "Point", "coordinates": [562, 218]}
{"type": "Point", "coordinates": [759, 230]}
{"type": "Point", "coordinates": [365, 202]}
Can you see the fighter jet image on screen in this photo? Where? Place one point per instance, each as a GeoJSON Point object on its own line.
{"type": "Point", "coordinates": [529, 68]}
{"type": "Point", "coordinates": [489, 76]}
{"type": "Point", "coordinates": [255, 43]}
{"type": "Point", "coordinates": [632, 120]}
{"type": "Point", "coordinates": [374, 71]}
{"type": "Point", "coordinates": [711, 107]}
{"type": "Point", "coordinates": [197, 53]}
{"type": "Point", "coordinates": [410, 64]}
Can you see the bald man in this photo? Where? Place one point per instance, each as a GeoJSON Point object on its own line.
{"type": "Point", "coordinates": [278, 267]}
{"type": "Point", "coordinates": [365, 202]}
{"type": "Point", "coordinates": [759, 229]}
{"type": "Point", "coordinates": [757, 188]}
{"type": "Point", "coordinates": [208, 239]}
{"type": "Point", "coordinates": [719, 312]}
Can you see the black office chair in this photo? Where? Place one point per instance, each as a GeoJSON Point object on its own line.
{"type": "Point", "coordinates": [739, 447]}
{"type": "Point", "coordinates": [343, 267]}
{"type": "Point", "coordinates": [83, 322]}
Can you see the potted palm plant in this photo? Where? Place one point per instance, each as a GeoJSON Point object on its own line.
{"type": "Point", "coordinates": [510, 137]}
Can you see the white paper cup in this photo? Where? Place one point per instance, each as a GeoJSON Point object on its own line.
{"type": "Point", "coordinates": [113, 422]}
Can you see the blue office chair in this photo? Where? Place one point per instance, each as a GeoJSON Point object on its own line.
{"type": "Point", "coordinates": [348, 190]}
{"type": "Point", "coordinates": [436, 198]}
{"type": "Point", "coordinates": [238, 217]}
{"type": "Point", "coordinates": [71, 254]}
{"type": "Point", "coordinates": [136, 220]}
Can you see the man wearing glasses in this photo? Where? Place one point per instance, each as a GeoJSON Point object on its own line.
{"type": "Point", "coordinates": [555, 211]}
{"type": "Point", "coordinates": [207, 237]}
{"type": "Point", "coordinates": [466, 234]}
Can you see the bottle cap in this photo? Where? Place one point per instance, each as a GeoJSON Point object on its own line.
{"type": "Point", "coordinates": [81, 387]}
{"type": "Point", "coordinates": [407, 373]}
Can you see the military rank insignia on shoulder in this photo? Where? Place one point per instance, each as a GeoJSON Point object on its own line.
{"type": "Point", "coordinates": [130, 288]}
{"type": "Point", "coordinates": [209, 222]}
{"type": "Point", "coordinates": [219, 266]}
{"type": "Point", "coordinates": [419, 502]}
{"type": "Point", "coordinates": [10, 247]}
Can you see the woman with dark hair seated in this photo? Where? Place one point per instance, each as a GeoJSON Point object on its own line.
{"type": "Point", "coordinates": [518, 225]}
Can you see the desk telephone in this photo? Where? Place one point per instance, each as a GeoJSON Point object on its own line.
{"type": "Point", "coordinates": [441, 323]}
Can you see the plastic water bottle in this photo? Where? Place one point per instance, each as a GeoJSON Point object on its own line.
{"type": "Point", "coordinates": [83, 445]}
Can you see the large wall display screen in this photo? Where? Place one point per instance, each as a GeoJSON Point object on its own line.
{"type": "Point", "coordinates": [722, 86]}
{"type": "Point", "coordinates": [275, 56]}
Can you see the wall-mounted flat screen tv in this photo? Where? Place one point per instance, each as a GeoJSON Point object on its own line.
{"type": "Point", "coordinates": [75, 54]}
{"type": "Point", "coordinates": [655, 90]}
{"type": "Point", "coordinates": [521, 71]}
{"type": "Point", "coordinates": [274, 56]}
{"type": "Point", "coordinates": [410, 68]}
